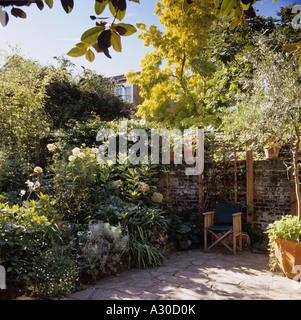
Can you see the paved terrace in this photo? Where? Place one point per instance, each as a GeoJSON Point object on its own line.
{"type": "Point", "coordinates": [195, 275]}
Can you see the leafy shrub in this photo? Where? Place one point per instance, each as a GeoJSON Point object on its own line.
{"type": "Point", "coordinates": [143, 227]}
{"type": "Point", "coordinates": [25, 232]}
{"type": "Point", "coordinates": [288, 228]}
{"type": "Point", "coordinates": [104, 247]}
{"type": "Point", "coordinates": [13, 173]}
{"type": "Point", "coordinates": [75, 184]}
{"type": "Point", "coordinates": [55, 273]}
{"type": "Point", "coordinates": [183, 226]}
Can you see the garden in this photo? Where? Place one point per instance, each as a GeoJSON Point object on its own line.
{"type": "Point", "coordinates": [67, 219]}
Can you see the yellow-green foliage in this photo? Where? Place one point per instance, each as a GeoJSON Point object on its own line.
{"type": "Point", "coordinates": [177, 69]}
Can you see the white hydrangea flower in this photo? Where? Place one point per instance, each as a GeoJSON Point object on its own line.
{"type": "Point", "coordinates": [157, 197]}
{"type": "Point", "coordinates": [144, 187]}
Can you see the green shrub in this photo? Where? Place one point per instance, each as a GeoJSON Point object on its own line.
{"type": "Point", "coordinates": [55, 273]}
{"type": "Point", "coordinates": [75, 184]}
{"type": "Point", "coordinates": [13, 174]}
{"type": "Point", "coordinates": [104, 248]}
{"type": "Point", "coordinates": [143, 227]}
{"type": "Point", "coordinates": [25, 232]}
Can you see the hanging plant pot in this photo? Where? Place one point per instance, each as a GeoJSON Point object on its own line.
{"type": "Point", "coordinates": [271, 153]}
{"type": "Point", "coordinates": [188, 152]}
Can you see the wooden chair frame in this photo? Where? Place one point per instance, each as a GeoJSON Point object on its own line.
{"type": "Point", "coordinates": [236, 231]}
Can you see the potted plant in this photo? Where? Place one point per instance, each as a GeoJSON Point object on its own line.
{"type": "Point", "coordinates": [190, 148]}
{"type": "Point", "coordinates": [272, 148]}
{"type": "Point", "coordinates": [285, 245]}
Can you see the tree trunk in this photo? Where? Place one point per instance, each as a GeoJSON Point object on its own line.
{"type": "Point", "coordinates": [295, 152]}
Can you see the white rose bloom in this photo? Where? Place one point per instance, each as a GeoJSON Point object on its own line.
{"type": "Point", "coordinates": [51, 146]}
{"type": "Point", "coordinates": [81, 155]}
{"type": "Point", "coordinates": [38, 170]}
{"type": "Point", "coordinates": [71, 158]}
{"type": "Point", "coordinates": [76, 151]}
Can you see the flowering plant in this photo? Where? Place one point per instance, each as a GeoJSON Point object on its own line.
{"type": "Point", "coordinates": [272, 142]}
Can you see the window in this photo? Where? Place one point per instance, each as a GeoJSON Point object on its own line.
{"type": "Point", "coordinates": [125, 92]}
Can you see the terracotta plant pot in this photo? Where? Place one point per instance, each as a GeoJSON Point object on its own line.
{"type": "Point", "coordinates": [288, 255]}
{"type": "Point", "coordinates": [271, 153]}
{"type": "Point", "coordinates": [190, 153]}
{"type": "Point", "coordinates": [170, 154]}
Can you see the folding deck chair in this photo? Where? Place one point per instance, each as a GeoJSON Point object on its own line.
{"type": "Point", "coordinates": [225, 220]}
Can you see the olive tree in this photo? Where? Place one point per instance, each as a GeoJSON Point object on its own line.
{"type": "Point", "coordinates": [271, 105]}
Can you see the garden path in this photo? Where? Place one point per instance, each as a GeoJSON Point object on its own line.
{"type": "Point", "coordinates": [195, 275]}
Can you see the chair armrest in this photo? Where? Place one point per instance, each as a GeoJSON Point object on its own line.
{"type": "Point", "coordinates": [208, 213]}
{"type": "Point", "coordinates": [208, 219]}
{"type": "Point", "coordinates": [236, 214]}
{"type": "Point", "coordinates": [237, 222]}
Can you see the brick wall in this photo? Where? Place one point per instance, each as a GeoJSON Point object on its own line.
{"type": "Point", "coordinates": [272, 197]}
{"type": "Point", "coordinates": [180, 191]}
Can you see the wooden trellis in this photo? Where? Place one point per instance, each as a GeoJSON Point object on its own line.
{"type": "Point", "coordinates": [214, 145]}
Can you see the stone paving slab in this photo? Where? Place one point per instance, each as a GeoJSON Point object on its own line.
{"type": "Point", "coordinates": [195, 275]}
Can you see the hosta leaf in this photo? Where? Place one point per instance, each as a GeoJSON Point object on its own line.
{"type": "Point", "coordinates": [90, 36]}
{"type": "Point", "coordinates": [77, 52]}
{"type": "Point", "coordinates": [90, 56]}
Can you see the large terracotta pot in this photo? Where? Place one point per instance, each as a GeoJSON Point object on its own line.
{"type": "Point", "coordinates": [288, 255]}
{"type": "Point", "coordinates": [271, 153]}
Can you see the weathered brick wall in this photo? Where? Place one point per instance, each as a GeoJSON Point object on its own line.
{"type": "Point", "coordinates": [272, 197]}
{"type": "Point", "coordinates": [180, 191]}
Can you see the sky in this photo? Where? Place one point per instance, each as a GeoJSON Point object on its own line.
{"type": "Point", "coordinates": [52, 32]}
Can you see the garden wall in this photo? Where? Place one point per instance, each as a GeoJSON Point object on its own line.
{"type": "Point", "coordinates": [272, 191]}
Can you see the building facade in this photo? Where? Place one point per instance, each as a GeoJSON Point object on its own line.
{"type": "Point", "coordinates": [126, 91]}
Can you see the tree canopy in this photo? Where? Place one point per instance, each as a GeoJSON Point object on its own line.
{"type": "Point", "coordinates": [173, 78]}
{"type": "Point", "coordinates": [104, 34]}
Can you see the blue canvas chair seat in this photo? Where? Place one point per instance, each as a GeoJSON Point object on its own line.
{"type": "Point", "coordinates": [221, 223]}
{"type": "Point", "coordinates": [220, 228]}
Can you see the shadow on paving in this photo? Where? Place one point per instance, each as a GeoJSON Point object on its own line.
{"type": "Point", "coordinates": [195, 275]}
